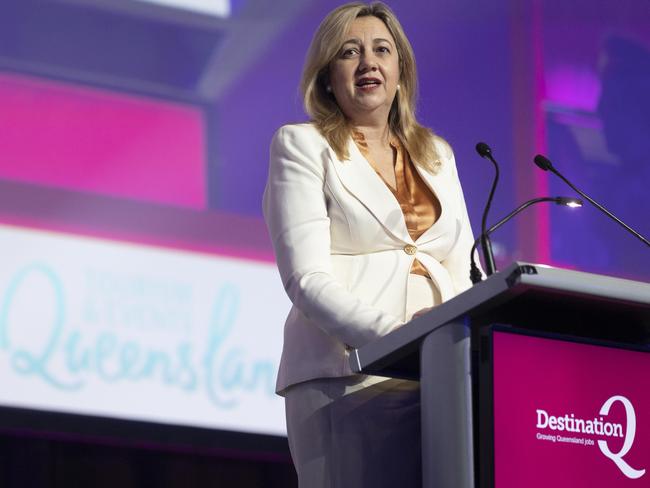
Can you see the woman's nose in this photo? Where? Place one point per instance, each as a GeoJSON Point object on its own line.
{"type": "Point", "coordinates": [367, 62]}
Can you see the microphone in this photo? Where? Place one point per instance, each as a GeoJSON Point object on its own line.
{"type": "Point", "coordinates": [475, 273]}
{"type": "Point", "coordinates": [544, 163]}
{"type": "Point", "coordinates": [485, 151]}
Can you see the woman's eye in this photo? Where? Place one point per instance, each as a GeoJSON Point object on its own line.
{"type": "Point", "coordinates": [349, 52]}
{"type": "Point", "coordinates": [383, 49]}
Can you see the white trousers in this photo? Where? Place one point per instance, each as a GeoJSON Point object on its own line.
{"type": "Point", "coordinates": [359, 431]}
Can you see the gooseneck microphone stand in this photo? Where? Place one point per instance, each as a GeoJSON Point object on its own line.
{"type": "Point", "coordinates": [475, 273]}
{"type": "Point", "coordinates": [485, 151]}
{"type": "Point", "coordinates": [545, 164]}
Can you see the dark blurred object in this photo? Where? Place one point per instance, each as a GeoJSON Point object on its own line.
{"type": "Point", "coordinates": [624, 104]}
{"type": "Point", "coordinates": [624, 109]}
{"type": "Point", "coordinates": [605, 149]}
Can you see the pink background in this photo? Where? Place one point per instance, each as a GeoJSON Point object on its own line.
{"type": "Point", "coordinates": [561, 378]}
{"type": "Point", "coordinates": [92, 140]}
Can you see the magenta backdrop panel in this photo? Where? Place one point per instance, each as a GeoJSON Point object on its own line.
{"type": "Point", "coordinates": [569, 414]}
{"type": "Point", "coordinates": [97, 141]}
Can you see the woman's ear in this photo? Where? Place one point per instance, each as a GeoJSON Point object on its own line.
{"type": "Point", "coordinates": [324, 80]}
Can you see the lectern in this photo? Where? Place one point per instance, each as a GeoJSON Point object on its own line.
{"type": "Point", "coordinates": [537, 376]}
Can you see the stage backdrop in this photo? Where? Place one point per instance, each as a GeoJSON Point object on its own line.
{"type": "Point", "coordinates": [136, 277]}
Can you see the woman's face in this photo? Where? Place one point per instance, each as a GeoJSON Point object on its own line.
{"type": "Point", "coordinates": [365, 73]}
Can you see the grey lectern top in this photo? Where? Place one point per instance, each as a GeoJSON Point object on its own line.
{"type": "Point", "coordinates": [385, 356]}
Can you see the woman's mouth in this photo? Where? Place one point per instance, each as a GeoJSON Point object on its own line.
{"type": "Point", "coordinates": [367, 84]}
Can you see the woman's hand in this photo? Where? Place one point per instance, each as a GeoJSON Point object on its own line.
{"type": "Point", "coordinates": [419, 313]}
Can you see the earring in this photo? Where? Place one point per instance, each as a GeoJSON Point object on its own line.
{"type": "Point", "coordinates": [398, 87]}
{"type": "Point", "coordinates": [328, 88]}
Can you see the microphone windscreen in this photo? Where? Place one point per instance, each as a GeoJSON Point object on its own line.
{"type": "Point", "coordinates": [483, 149]}
{"type": "Point", "coordinates": [543, 162]}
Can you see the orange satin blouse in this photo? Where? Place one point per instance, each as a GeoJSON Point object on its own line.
{"type": "Point", "coordinates": [419, 205]}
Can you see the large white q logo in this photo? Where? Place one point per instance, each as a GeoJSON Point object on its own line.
{"type": "Point", "coordinates": [630, 431]}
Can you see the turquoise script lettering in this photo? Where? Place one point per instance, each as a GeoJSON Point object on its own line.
{"type": "Point", "coordinates": [25, 362]}
{"type": "Point", "coordinates": [227, 371]}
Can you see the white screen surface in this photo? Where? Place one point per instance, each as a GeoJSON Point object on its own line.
{"type": "Point", "coordinates": [217, 8]}
{"type": "Point", "coordinates": [96, 327]}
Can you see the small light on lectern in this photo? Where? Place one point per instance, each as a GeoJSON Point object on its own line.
{"type": "Point", "coordinates": [568, 202]}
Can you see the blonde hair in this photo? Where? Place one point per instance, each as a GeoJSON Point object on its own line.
{"type": "Point", "coordinates": [321, 105]}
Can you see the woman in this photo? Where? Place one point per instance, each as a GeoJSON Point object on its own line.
{"type": "Point", "coordinates": [369, 226]}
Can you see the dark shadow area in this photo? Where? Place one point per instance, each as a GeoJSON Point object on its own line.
{"type": "Point", "coordinates": [44, 463]}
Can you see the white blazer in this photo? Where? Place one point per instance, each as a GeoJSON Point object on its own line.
{"type": "Point", "coordinates": [340, 241]}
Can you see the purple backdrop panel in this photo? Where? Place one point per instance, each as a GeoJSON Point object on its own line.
{"type": "Point", "coordinates": [458, 99]}
{"type": "Point", "coordinates": [91, 140]}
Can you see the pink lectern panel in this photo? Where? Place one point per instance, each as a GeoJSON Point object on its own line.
{"type": "Point", "coordinates": [569, 414]}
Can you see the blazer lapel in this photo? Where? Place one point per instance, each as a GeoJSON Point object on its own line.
{"type": "Point", "coordinates": [360, 179]}
{"type": "Point", "coordinates": [437, 186]}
